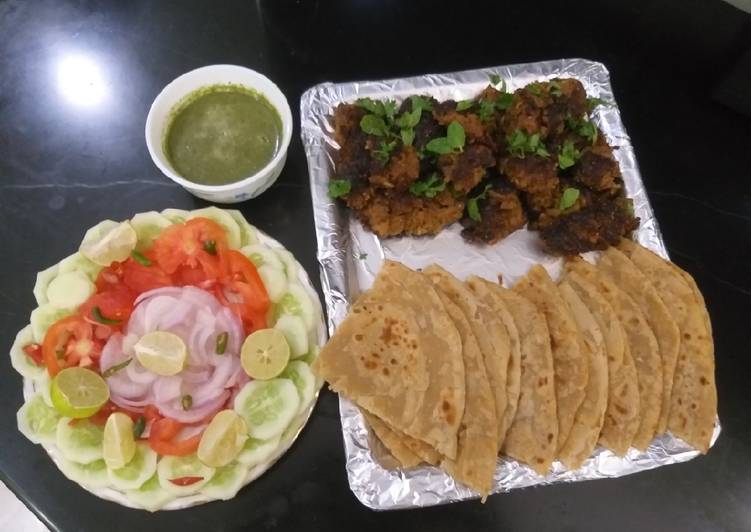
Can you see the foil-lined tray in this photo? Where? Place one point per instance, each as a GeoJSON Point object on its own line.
{"type": "Point", "coordinates": [350, 256]}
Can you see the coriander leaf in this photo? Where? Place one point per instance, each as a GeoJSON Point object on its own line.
{"type": "Point", "coordinates": [455, 135]}
{"type": "Point", "coordinates": [568, 198]}
{"type": "Point", "coordinates": [463, 105]}
{"type": "Point", "coordinates": [428, 188]}
{"type": "Point", "coordinates": [535, 88]}
{"type": "Point", "coordinates": [371, 106]}
{"type": "Point", "coordinates": [495, 79]}
{"type": "Point", "coordinates": [473, 210]}
{"type": "Point", "coordinates": [362, 256]}
{"type": "Point", "coordinates": [594, 102]}
{"type": "Point", "coordinates": [517, 142]}
{"type": "Point", "coordinates": [504, 101]}
{"type": "Point", "coordinates": [409, 119]}
{"type": "Point", "coordinates": [421, 102]}
{"type": "Point", "coordinates": [568, 155]}
{"type": "Point", "coordinates": [384, 152]}
{"type": "Point", "coordinates": [487, 108]}
{"type": "Point", "coordinates": [373, 125]}
{"type": "Point", "coordinates": [588, 130]}
{"type": "Point", "coordinates": [542, 151]}
{"type": "Point", "coordinates": [339, 188]}
{"type": "Point", "coordinates": [389, 109]}
{"type": "Point", "coordinates": [439, 145]}
{"type": "Point", "coordinates": [630, 207]}
{"type": "Point", "coordinates": [555, 87]}
{"type": "Point", "coordinates": [408, 136]}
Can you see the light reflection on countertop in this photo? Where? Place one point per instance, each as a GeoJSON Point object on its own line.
{"type": "Point", "coordinates": [80, 80]}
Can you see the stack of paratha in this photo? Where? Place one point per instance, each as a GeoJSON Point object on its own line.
{"type": "Point", "coordinates": [454, 373]}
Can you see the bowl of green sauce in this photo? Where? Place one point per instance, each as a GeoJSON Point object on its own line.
{"type": "Point", "coordinates": [221, 132]}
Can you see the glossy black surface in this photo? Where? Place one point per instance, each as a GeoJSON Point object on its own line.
{"type": "Point", "coordinates": [64, 167]}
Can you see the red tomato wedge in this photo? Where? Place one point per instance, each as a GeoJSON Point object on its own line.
{"type": "Point", "coordinates": [34, 352]}
{"type": "Point", "coordinates": [162, 434]}
{"type": "Point", "coordinates": [115, 303]}
{"type": "Point", "coordinates": [70, 342]}
{"type": "Point", "coordinates": [185, 481]}
{"type": "Point", "coordinates": [196, 243]}
{"type": "Point", "coordinates": [140, 278]}
{"type": "Point", "coordinates": [242, 290]}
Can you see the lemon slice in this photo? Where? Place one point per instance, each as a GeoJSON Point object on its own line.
{"type": "Point", "coordinates": [108, 242]}
{"type": "Point", "coordinates": [161, 352]}
{"type": "Point", "coordinates": [78, 392]}
{"type": "Point", "coordinates": [264, 354]}
{"type": "Point", "coordinates": [223, 439]}
{"type": "Point", "coordinates": [119, 445]}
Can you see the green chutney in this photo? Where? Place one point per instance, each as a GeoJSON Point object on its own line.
{"type": "Point", "coordinates": [222, 134]}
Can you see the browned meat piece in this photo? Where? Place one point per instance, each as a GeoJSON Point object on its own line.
{"type": "Point", "coordinates": [526, 111]}
{"type": "Point", "coordinates": [532, 174]}
{"type": "Point", "coordinates": [542, 201]}
{"type": "Point", "coordinates": [568, 98]}
{"type": "Point", "coordinates": [353, 161]}
{"type": "Point", "coordinates": [426, 129]}
{"type": "Point", "coordinates": [501, 214]}
{"type": "Point", "coordinates": [597, 169]}
{"type": "Point", "coordinates": [402, 169]}
{"type": "Point", "coordinates": [389, 213]}
{"type": "Point", "coordinates": [346, 121]}
{"type": "Point", "coordinates": [597, 226]}
{"type": "Point", "coordinates": [489, 94]}
{"type": "Point", "coordinates": [465, 170]}
{"type": "Point", "coordinates": [474, 129]}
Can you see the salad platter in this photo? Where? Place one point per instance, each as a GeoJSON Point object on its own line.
{"type": "Point", "coordinates": [168, 361]}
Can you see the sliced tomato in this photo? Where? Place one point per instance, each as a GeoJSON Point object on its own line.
{"type": "Point", "coordinates": [242, 290]}
{"type": "Point", "coordinates": [100, 418]}
{"type": "Point", "coordinates": [140, 278]}
{"type": "Point", "coordinates": [34, 352]}
{"type": "Point", "coordinates": [162, 434]}
{"type": "Point", "coordinates": [110, 276]}
{"type": "Point", "coordinates": [115, 303]}
{"type": "Point", "coordinates": [196, 243]}
{"type": "Point", "coordinates": [193, 276]}
{"type": "Point", "coordinates": [70, 342]}
{"type": "Point", "coordinates": [185, 481]}
{"type": "Point", "coordinates": [151, 413]}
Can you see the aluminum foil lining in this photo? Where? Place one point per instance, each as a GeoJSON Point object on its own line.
{"type": "Point", "coordinates": [350, 256]}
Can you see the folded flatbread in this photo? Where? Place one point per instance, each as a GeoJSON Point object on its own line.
{"type": "Point", "coordinates": [532, 437]}
{"type": "Point", "coordinates": [693, 406]}
{"type": "Point", "coordinates": [569, 362]}
{"type": "Point", "coordinates": [398, 355]}
{"type": "Point", "coordinates": [622, 415]}
{"type": "Point", "coordinates": [477, 451]}
{"type": "Point", "coordinates": [642, 345]}
{"type": "Point", "coordinates": [589, 419]}
{"type": "Point", "coordinates": [489, 331]}
{"type": "Point", "coordinates": [488, 293]}
{"type": "Point", "coordinates": [393, 442]}
{"type": "Point", "coordinates": [624, 273]}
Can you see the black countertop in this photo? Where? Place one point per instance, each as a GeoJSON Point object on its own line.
{"type": "Point", "coordinates": [65, 166]}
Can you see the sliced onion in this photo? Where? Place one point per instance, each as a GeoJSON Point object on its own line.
{"type": "Point", "coordinates": [195, 413]}
{"type": "Point", "coordinates": [167, 389]}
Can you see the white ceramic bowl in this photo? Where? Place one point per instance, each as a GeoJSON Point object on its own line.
{"type": "Point", "coordinates": [173, 93]}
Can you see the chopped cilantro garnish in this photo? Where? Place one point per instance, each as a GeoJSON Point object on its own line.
{"type": "Point", "coordinates": [504, 101]}
{"type": "Point", "coordinates": [428, 188]}
{"type": "Point", "coordinates": [339, 188]}
{"type": "Point", "coordinates": [487, 109]}
{"type": "Point", "coordinates": [568, 198]}
{"type": "Point", "coordinates": [594, 102]}
{"type": "Point", "coordinates": [409, 119]}
{"type": "Point", "coordinates": [408, 136]}
{"type": "Point", "coordinates": [568, 155]}
{"type": "Point", "coordinates": [473, 208]}
{"type": "Point", "coordinates": [555, 87]}
{"type": "Point", "coordinates": [421, 102]}
{"type": "Point", "coordinates": [384, 152]}
{"type": "Point", "coordinates": [520, 144]}
{"type": "Point", "coordinates": [463, 105]}
{"type": "Point", "coordinates": [535, 88]}
{"type": "Point", "coordinates": [373, 125]}
{"type": "Point", "coordinates": [452, 142]}
{"type": "Point", "coordinates": [495, 79]}
{"type": "Point", "coordinates": [583, 127]}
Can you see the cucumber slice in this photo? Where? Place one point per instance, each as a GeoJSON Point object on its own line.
{"type": "Point", "coordinates": [136, 472]}
{"type": "Point", "coordinates": [274, 280]}
{"type": "Point", "coordinates": [311, 356]}
{"type": "Point", "coordinates": [151, 496]}
{"type": "Point", "coordinates": [297, 302]}
{"type": "Point", "coordinates": [267, 406]}
{"type": "Point", "coordinates": [43, 280]}
{"type": "Point", "coordinates": [80, 442]}
{"type": "Point", "coordinates": [248, 234]}
{"type": "Point", "coordinates": [176, 216]}
{"type": "Point", "coordinates": [77, 262]}
{"type": "Point", "coordinates": [43, 317]}
{"type": "Point", "coordinates": [261, 255]}
{"type": "Point", "coordinates": [20, 360]}
{"type": "Point", "coordinates": [92, 475]}
{"type": "Point", "coordinates": [293, 328]}
{"type": "Point", "coordinates": [305, 382]}
{"type": "Point", "coordinates": [175, 467]}
{"type": "Point", "coordinates": [226, 482]}
{"type": "Point", "coordinates": [291, 267]}
{"type": "Point", "coordinates": [223, 218]}
{"type": "Point", "coordinates": [257, 451]}
{"type": "Point", "coordinates": [70, 289]}
{"type": "Point", "coordinates": [37, 420]}
{"type": "Point", "coordinates": [148, 226]}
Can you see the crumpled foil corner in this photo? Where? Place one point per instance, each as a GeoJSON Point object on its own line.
{"type": "Point", "coordinates": [350, 257]}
